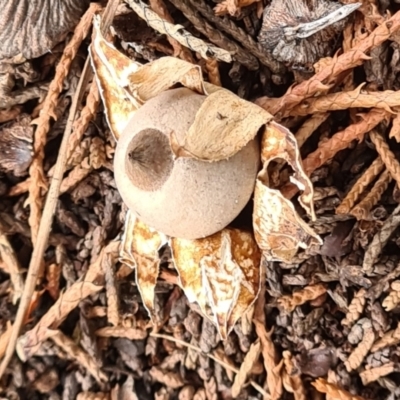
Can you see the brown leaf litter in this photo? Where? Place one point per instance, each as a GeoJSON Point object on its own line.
{"type": "Point", "coordinates": [321, 276]}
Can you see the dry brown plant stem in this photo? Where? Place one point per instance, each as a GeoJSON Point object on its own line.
{"type": "Point", "coordinates": [51, 201]}
{"type": "Point", "coordinates": [293, 381]}
{"type": "Point", "coordinates": [390, 338]}
{"type": "Point", "coordinates": [270, 355]}
{"type": "Point", "coordinates": [380, 239]}
{"type": "Point", "coordinates": [363, 208]}
{"type": "Point", "coordinates": [87, 115]}
{"type": "Point", "coordinates": [339, 141]}
{"type": "Point", "coordinates": [334, 391]}
{"type": "Point", "coordinates": [373, 374]}
{"type": "Point", "coordinates": [38, 180]}
{"type": "Point", "coordinates": [180, 51]}
{"type": "Point", "coordinates": [309, 127]}
{"type": "Point", "coordinates": [386, 154]}
{"type": "Point", "coordinates": [217, 360]}
{"type": "Point", "coordinates": [320, 81]}
{"type": "Point", "coordinates": [346, 100]}
{"type": "Point", "coordinates": [359, 187]}
{"type": "Point", "coordinates": [213, 72]}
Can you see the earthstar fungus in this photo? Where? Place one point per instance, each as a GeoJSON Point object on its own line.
{"type": "Point", "coordinates": [187, 161]}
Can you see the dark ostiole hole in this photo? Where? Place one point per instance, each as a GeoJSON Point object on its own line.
{"type": "Point", "coordinates": [149, 159]}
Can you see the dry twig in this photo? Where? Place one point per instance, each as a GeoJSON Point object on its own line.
{"type": "Point", "coordinates": [92, 283]}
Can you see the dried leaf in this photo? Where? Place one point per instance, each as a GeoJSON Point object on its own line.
{"type": "Point", "coordinates": [112, 69]}
{"type": "Point", "coordinates": [279, 230]}
{"type": "Point", "coordinates": [221, 273]}
{"type": "Point", "coordinates": [245, 369]}
{"type": "Point", "coordinates": [140, 246]}
{"type": "Point", "coordinates": [223, 125]}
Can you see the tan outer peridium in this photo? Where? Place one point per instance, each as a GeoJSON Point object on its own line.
{"type": "Point", "coordinates": [198, 198]}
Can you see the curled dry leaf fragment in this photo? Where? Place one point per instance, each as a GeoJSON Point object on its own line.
{"type": "Point", "coordinates": [140, 246]}
{"type": "Point", "coordinates": [221, 273]}
{"type": "Point", "coordinates": [278, 229]}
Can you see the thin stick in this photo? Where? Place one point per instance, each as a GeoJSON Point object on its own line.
{"type": "Point", "coordinates": [51, 202]}
{"type": "Point", "coordinates": [224, 364]}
